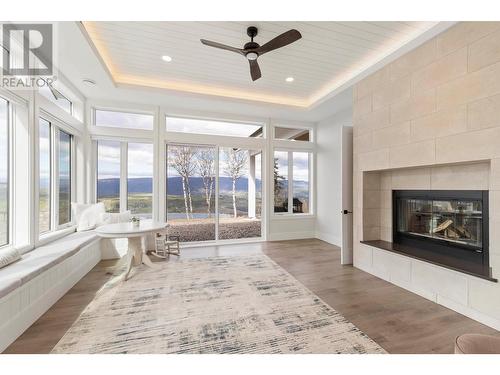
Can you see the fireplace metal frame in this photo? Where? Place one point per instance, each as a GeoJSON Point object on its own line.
{"type": "Point", "coordinates": [457, 256]}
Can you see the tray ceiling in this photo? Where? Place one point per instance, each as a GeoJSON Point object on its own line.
{"type": "Point", "coordinates": [328, 55]}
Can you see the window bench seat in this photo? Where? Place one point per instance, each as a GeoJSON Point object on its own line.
{"type": "Point", "coordinates": [30, 286]}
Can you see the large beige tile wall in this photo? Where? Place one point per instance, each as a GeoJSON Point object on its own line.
{"type": "Point", "coordinates": [433, 117]}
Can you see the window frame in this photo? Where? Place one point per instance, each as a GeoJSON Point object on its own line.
{"type": "Point", "coordinates": [56, 126]}
{"type": "Point", "coordinates": [175, 134]}
{"type": "Point", "coordinates": [105, 128]}
{"type": "Point", "coordinates": [9, 174]}
{"type": "Point", "coordinates": [290, 212]}
{"type": "Point", "coordinates": [126, 148]}
{"type": "Point", "coordinates": [71, 192]}
{"type": "Point", "coordinates": [123, 194]}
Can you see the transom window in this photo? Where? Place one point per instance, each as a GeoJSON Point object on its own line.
{"type": "Point", "coordinates": [292, 134]}
{"type": "Point", "coordinates": [115, 119]}
{"type": "Point", "coordinates": [55, 96]}
{"type": "Point", "coordinates": [224, 128]}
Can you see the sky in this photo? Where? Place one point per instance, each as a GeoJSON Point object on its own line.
{"type": "Point", "coordinates": [300, 165]}
{"type": "Point", "coordinates": [140, 159]}
{"type": "Point", "coordinates": [44, 149]}
{"type": "Point", "coordinates": [108, 159]}
{"type": "Point", "coordinates": [124, 120]}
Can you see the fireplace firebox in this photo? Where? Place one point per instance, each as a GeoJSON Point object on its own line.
{"type": "Point", "coordinates": [446, 227]}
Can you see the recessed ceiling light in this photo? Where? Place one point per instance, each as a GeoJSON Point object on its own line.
{"type": "Point", "coordinates": [88, 82]}
{"type": "Point", "coordinates": [289, 79]}
{"type": "Point", "coordinates": [166, 58]}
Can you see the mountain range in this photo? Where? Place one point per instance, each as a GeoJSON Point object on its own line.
{"type": "Point", "coordinates": [111, 186]}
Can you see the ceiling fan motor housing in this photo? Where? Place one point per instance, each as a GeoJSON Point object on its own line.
{"type": "Point", "coordinates": [252, 32]}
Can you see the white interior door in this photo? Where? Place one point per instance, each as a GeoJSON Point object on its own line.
{"type": "Point", "coordinates": [346, 178]}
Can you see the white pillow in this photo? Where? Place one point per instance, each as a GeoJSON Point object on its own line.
{"type": "Point", "coordinates": [78, 209]}
{"type": "Point", "coordinates": [113, 218]}
{"type": "Point", "coordinates": [9, 256]}
{"type": "Point", "coordinates": [87, 218]}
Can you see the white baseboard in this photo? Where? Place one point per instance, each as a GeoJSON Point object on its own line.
{"type": "Point", "coordinates": [330, 238]}
{"type": "Point", "coordinates": [433, 294]}
{"type": "Point", "coordinates": [290, 236]}
{"type": "Point", "coordinates": [21, 308]}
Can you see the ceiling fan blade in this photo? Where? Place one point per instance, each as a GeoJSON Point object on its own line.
{"type": "Point", "coordinates": [221, 46]}
{"type": "Point", "coordinates": [280, 41]}
{"type": "Point", "coordinates": [254, 70]}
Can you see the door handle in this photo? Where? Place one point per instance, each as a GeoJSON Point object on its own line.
{"type": "Point", "coordinates": [345, 212]}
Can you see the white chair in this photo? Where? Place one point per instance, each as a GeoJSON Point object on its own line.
{"type": "Point", "coordinates": [166, 245]}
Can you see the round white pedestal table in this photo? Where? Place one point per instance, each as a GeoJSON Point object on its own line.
{"type": "Point", "coordinates": [135, 235]}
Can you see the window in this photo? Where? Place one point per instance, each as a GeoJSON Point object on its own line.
{"type": "Point", "coordinates": [191, 192]}
{"type": "Point", "coordinates": [140, 179]}
{"type": "Point", "coordinates": [137, 159]}
{"type": "Point", "coordinates": [54, 177]}
{"type": "Point", "coordinates": [64, 194]}
{"type": "Point", "coordinates": [239, 193]}
{"type": "Point", "coordinates": [108, 174]}
{"type": "Point", "coordinates": [280, 181]}
{"type": "Point", "coordinates": [300, 178]}
{"type": "Point", "coordinates": [44, 189]}
{"type": "Point", "coordinates": [4, 172]}
{"type": "Point", "coordinates": [56, 97]}
{"type": "Point", "coordinates": [127, 120]}
{"type": "Point", "coordinates": [291, 134]}
{"type": "Point", "coordinates": [213, 193]}
{"type": "Point", "coordinates": [193, 126]}
{"type": "Point", "coordinates": [292, 166]}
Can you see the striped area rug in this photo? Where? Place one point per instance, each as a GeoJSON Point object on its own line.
{"type": "Point", "coordinates": [241, 304]}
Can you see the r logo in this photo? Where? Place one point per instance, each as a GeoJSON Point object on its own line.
{"type": "Point", "coordinates": [36, 44]}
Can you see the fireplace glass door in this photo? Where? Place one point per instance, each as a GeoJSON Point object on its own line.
{"type": "Point", "coordinates": [453, 220]}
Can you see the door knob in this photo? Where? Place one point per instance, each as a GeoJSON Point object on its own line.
{"type": "Point", "coordinates": [345, 212]}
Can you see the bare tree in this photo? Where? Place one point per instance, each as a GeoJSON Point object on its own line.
{"type": "Point", "coordinates": [206, 168]}
{"type": "Point", "coordinates": [235, 163]}
{"type": "Point", "coordinates": [182, 160]}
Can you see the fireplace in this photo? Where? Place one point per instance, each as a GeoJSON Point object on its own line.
{"type": "Point", "coordinates": [449, 228]}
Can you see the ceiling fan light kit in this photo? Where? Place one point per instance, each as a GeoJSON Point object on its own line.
{"type": "Point", "coordinates": [253, 50]}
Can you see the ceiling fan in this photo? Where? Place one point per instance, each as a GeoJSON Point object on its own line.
{"type": "Point", "coordinates": [252, 50]}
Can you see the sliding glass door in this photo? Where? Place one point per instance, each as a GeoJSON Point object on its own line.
{"type": "Point", "coordinates": [213, 193]}
{"type": "Point", "coordinates": [191, 192]}
{"type": "Point", "coordinates": [240, 196]}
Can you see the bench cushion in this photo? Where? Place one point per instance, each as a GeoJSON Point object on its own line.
{"type": "Point", "coordinates": [473, 343]}
{"type": "Point", "coordinates": [42, 258]}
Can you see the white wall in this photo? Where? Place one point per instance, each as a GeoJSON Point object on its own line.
{"type": "Point", "coordinates": [328, 176]}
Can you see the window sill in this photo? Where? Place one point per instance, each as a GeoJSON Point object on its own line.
{"type": "Point", "coordinates": [292, 216]}
{"type": "Point", "coordinates": [52, 236]}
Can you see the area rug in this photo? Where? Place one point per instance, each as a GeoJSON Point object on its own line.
{"type": "Point", "coordinates": [240, 304]}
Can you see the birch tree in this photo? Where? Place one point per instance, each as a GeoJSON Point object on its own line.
{"type": "Point", "coordinates": [236, 161]}
{"type": "Point", "coordinates": [206, 169]}
{"type": "Point", "coordinates": [182, 160]}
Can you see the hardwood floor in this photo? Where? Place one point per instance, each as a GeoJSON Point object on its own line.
{"type": "Point", "coordinates": [398, 320]}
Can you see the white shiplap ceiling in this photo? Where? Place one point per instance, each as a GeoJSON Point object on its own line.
{"type": "Point", "coordinates": [328, 55]}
